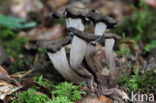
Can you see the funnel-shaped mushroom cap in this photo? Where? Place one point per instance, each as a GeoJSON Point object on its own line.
{"type": "Point", "coordinates": [112, 35]}
{"type": "Point", "coordinates": [55, 45]}
{"type": "Point", "coordinates": [59, 13]}
{"type": "Point", "coordinates": [83, 35]}
{"type": "Point", "coordinates": [99, 17]}
{"type": "Point", "coordinates": [75, 12]}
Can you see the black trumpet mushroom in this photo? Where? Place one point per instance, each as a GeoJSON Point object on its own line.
{"type": "Point", "coordinates": [83, 64]}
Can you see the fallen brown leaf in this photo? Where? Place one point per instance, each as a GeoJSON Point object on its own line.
{"type": "Point", "coordinates": [104, 99]}
{"type": "Point", "coordinates": [101, 99]}
{"type": "Point", "coordinates": [46, 34]}
{"type": "Point", "coordinates": [26, 84]}
{"type": "Point", "coordinates": [57, 3]}
{"type": "Point", "coordinates": [8, 85]}
{"type": "Point", "coordinates": [90, 100]}
{"type": "Point", "coordinates": [7, 88]}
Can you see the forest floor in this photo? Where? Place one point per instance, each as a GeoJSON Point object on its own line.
{"type": "Point", "coordinates": [23, 66]}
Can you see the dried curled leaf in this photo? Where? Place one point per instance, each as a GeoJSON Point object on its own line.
{"type": "Point", "coordinates": [7, 85]}
{"type": "Point", "coordinates": [7, 88]}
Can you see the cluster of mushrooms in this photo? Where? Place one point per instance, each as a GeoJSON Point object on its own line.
{"type": "Point", "coordinates": [83, 63]}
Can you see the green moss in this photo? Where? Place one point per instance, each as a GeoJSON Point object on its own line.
{"type": "Point", "coordinates": [124, 50]}
{"type": "Point", "coordinates": [31, 96]}
{"type": "Point", "coordinates": [45, 82]}
{"type": "Point", "coordinates": [141, 25]}
{"type": "Point", "coordinates": [136, 82]}
{"type": "Point", "coordinates": [64, 92]}
{"type": "Point", "coordinates": [60, 100]}
{"type": "Point", "coordinates": [14, 46]}
{"type": "Point", "coordinates": [42, 50]}
{"type": "Point", "coordinates": [66, 89]}
{"type": "Point", "coordinates": [150, 45]}
{"type": "Point", "coordinates": [13, 43]}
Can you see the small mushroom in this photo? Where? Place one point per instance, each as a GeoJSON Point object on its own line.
{"type": "Point", "coordinates": [59, 13]}
{"type": "Point", "coordinates": [101, 22]}
{"type": "Point", "coordinates": [109, 44]}
{"type": "Point", "coordinates": [75, 17]}
{"type": "Point", "coordinates": [85, 37]}
{"type": "Point", "coordinates": [57, 55]}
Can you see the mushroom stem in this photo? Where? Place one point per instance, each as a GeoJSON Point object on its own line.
{"type": "Point", "coordinates": [77, 52]}
{"type": "Point", "coordinates": [100, 28]}
{"type": "Point", "coordinates": [78, 45]}
{"type": "Point", "coordinates": [60, 62]}
{"type": "Point", "coordinates": [109, 43]}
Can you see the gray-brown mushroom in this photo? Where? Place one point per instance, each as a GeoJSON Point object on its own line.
{"type": "Point", "coordinates": [75, 18]}
{"type": "Point", "coordinates": [101, 22]}
{"type": "Point", "coordinates": [109, 44]}
{"type": "Point", "coordinates": [54, 45]}
{"type": "Point", "coordinates": [57, 55]}
{"type": "Point", "coordinates": [86, 69]}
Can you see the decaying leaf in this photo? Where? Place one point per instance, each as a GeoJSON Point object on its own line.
{"type": "Point", "coordinates": [7, 88]}
{"type": "Point", "coordinates": [7, 85]}
{"type": "Point", "coordinates": [22, 74]}
{"type": "Point", "coordinates": [46, 34]}
{"type": "Point", "coordinates": [26, 84]}
{"type": "Point", "coordinates": [104, 99]}
{"type": "Point", "coordinates": [100, 99]}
